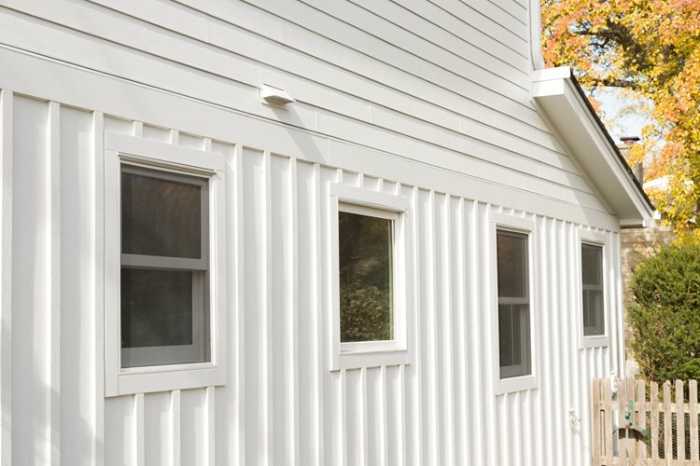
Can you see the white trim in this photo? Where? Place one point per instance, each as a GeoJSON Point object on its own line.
{"type": "Point", "coordinates": [122, 381]}
{"type": "Point", "coordinates": [584, 236]}
{"type": "Point", "coordinates": [372, 353]}
{"type": "Point", "coordinates": [526, 225]}
{"type": "Point", "coordinates": [557, 93]}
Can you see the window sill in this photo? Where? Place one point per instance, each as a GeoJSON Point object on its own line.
{"type": "Point", "coordinates": [370, 354]}
{"type": "Point", "coordinates": [516, 384]}
{"type": "Point", "coordinates": [594, 341]}
{"type": "Point", "coordinates": [164, 378]}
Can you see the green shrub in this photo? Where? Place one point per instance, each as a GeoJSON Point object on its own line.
{"type": "Point", "coordinates": [664, 318]}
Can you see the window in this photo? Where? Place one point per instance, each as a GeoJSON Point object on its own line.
{"type": "Point", "coordinates": [164, 275]}
{"type": "Point", "coordinates": [513, 278]}
{"type": "Point", "coordinates": [164, 318]}
{"type": "Point", "coordinates": [592, 277]}
{"type": "Point", "coordinates": [370, 272]}
{"type": "Point", "coordinates": [366, 274]}
{"type": "Point", "coordinates": [592, 315]}
{"type": "Point", "coordinates": [513, 304]}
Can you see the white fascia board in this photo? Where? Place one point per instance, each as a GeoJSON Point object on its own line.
{"type": "Point", "coordinates": [557, 92]}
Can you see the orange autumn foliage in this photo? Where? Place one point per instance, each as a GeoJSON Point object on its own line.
{"type": "Point", "coordinates": [652, 49]}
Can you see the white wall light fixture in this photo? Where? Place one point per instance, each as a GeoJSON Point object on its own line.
{"type": "Point", "coordinates": [275, 96]}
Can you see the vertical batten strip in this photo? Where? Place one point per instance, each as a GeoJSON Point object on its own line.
{"type": "Point", "coordinates": [448, 395]}
{"type": "Point", "coordinates": [461, 310]}
{"type": "Point", "coordinates": [489, 293]}
{"type": "Point", "coordinates": [211, 426]}
{"type": "Point", "coordinates": [620, 325]}
{"type": "Point", "coordinates": [237, 228]}
{"type": "Point", "coordinates": [265, 310]}
{"type": "Point", "coordinates": [595, 422]}
{"type": "Point", "coordinates": [293, 328]}
{"type": "Point", "coordinates": [557, 369]}
{"type": "Point", "coordinates": [475, 337]}
{"type": "Point", "coordinates": [6, 201]}
{"type": "Point", "coordinates": [546, 344]}
{"type": "Point", "coordinates": [383, 418]}
{"type": "Point", "coordinates": [342, 407]}
{"type": "Point", "coordinates": [342, 419]}
{"type": "Point", "coordinates": [318, 321]}
{"type": "Point", "coordinates": [54, 279]}
{"type": "Point", "coordinates": [139, 449]}
{"type": "Point", "coordinates": [569, 375]}
{"type": "Point", "coordinates": [97, 254]}
{"type": "Point", "coordinates": [402, 403]}
{"type": "Point", "coordinates": [175, 428]}
{"type": "Point", "coordinates": [417, 379]}
{"type": "Point", "coordinates": [364, 414]}
{"type": "Point", "coordinates": [432, 331]}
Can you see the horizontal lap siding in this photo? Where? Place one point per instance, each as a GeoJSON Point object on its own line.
{"type": "Point", "coordinates": [492, 134]}
{"type": "Point", "coordinates": [281, 404]}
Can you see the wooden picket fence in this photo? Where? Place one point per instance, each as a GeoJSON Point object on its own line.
{"type": "Point", "coordinates": [641, 423]}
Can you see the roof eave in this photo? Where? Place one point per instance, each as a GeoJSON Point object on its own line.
{"type": "Point", "coordinates": [561, 97]}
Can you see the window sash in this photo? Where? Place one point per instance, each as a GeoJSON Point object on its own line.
{"type": "Point", "coordinates": [144, 356]}
{"type": "Point", "coordinates": [393, 218]}
{"type": "Point", "coordinates": [520, 305]}
{"type": "Point", "coordinates": [587, 303]}
{"type": "Point", "coordinates": [202, 181]}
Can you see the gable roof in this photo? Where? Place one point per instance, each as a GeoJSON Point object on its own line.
{"type": "Point", "coordinates": [561, 97]}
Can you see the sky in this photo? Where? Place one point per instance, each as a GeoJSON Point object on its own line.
{"type": "Point", "coordinates": [620, 122]}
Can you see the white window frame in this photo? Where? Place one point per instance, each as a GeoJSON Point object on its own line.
{"type": "Point", "coordinates": [352, 355]}
{"type": "Point", "coordinates": [527, 226]}
{"type": "Point", "coordinates": [122, 149]}
{"type": "Point", "coordinates": [600, 239]}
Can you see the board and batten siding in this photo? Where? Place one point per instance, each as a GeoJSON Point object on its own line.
{"type": "Point", "coordinates": [281, 404]}
{"type": "Point", "coordinates": [424, 99]}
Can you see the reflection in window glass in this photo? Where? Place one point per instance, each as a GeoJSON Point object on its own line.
{"type": "Point", "coordinates": [593, 298]}
{"type": "Point", "coordinates": [365, 264]}
{"type": "Point", "coordinates": [513, 304]}
{"type": "Point", "coordinates": [161, 216]}
{"type": "Point", "coordinates": [156, 308]}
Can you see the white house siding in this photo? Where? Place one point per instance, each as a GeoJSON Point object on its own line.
{"type": "Point", "coordinates": [424, 99]}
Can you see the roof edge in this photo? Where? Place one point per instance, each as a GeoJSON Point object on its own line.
{"type": "Point", "coordinates": [558, 91]}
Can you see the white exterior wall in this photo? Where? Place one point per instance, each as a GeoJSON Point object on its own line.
{"type": "Point", "coordinates": [437, 110]}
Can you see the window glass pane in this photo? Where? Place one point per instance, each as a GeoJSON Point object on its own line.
{"type": "Point", "coordinates": [592, 264]}
{"type": "Point", "coordinates": [593, 297]}
{"type": "Point", "coordinates": [512, 264]}
{"type": "Point", "coordinates": [366, 301]}
{"type": "Point", "coordinates": [513, 304]}
{"type": "Point", "coordinates": [514, 339]}
{"type": "Point", "coordinates": [161, 311]}
{"type": "Point", "coordinates": [593, 320]}
{"type": "Point", "coordinates": [161, 213]}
